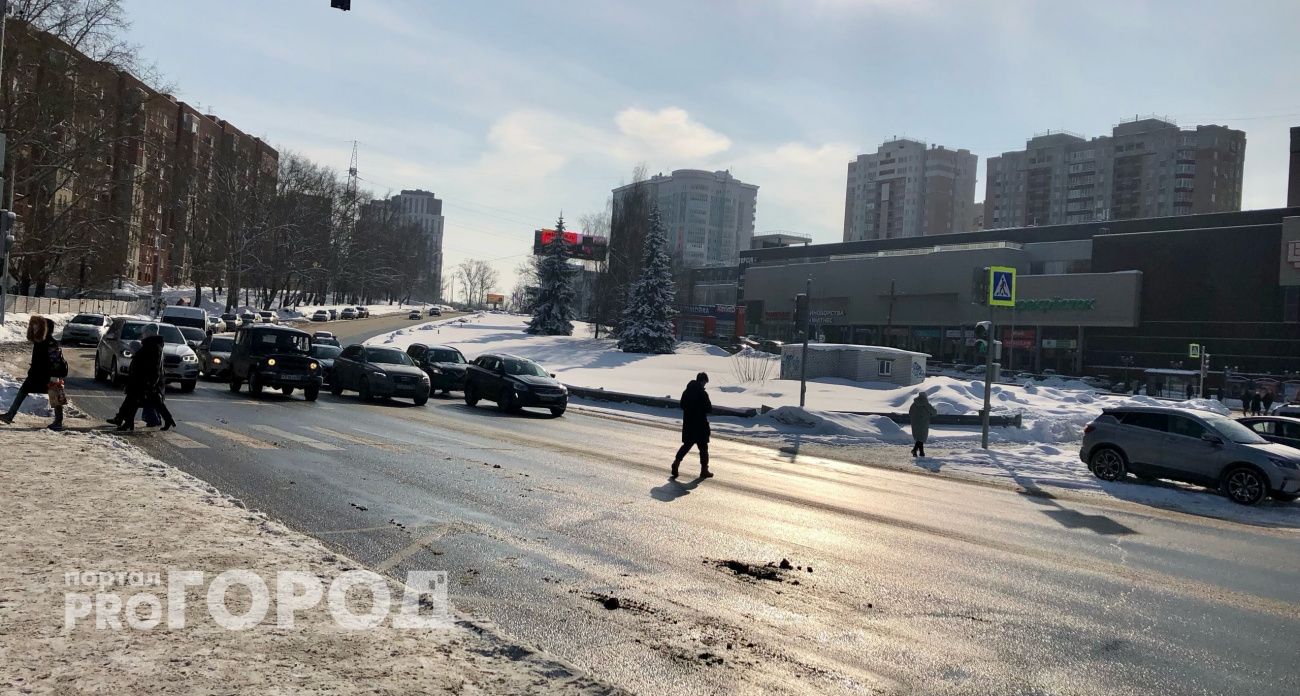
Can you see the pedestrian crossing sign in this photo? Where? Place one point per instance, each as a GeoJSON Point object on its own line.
{"type": "Point", "coordinates": [1002, 286]}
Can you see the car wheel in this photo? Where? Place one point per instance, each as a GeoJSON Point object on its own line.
{"type": "Point", "coordinates": [557, 411]}
{"type": "Point", "coordinates": [254, 384]}
{"type": "Point", "coordinates": [1245, 485]}
{"type": "Point", "coordinates": [288, 391]}
{"type": "Point", "coordinates": [100, 375]}
{"type": "Point", "coordinates": [336, 386]}
{"type": "Point", "coordinates": [235, 384]}
{"type": "Point", "coordinates": [422, 399]}
{"type": "Point", "coordinates": [364, 391]}
{"type": "Point", "coordinates": [506, 400]}
{"type": "Point", "coordinates": [188, 386]}
{"type": "Point", "coordinates": [471, 395]}
{"type": "Point", "coordinates": [1107, 464]}
{"type": "Point", "coordinates": [310, 393]}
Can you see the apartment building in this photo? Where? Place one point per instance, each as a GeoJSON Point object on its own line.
{"type": "Point", "coordinates": [708, 216]}
{"type": "Point", "coordinates": [909, 189]}
{"type": "Point", "coordinates": [424, 210]}
{"type": "Point", "coordinates": [1146, 167]}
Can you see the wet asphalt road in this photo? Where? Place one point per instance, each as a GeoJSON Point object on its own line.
{"type": "Point", "coordinates": [901, 583]}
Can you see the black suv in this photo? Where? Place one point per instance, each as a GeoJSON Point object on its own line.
{"type": "Point", "coordinates": [513, 383]}
{"type": "Point", "coordinates": [275, 357]}
{"type": "Point", "coordinates": [444, 365]}
{"type": "Point", "coordinates": [375, 371]}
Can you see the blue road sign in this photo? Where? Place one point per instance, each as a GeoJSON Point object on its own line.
{"type": "Point", "coordinates": [1002, 286]}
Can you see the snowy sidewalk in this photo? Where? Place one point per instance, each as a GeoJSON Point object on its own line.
{"type": "Point", "coordinates": [80, 502]}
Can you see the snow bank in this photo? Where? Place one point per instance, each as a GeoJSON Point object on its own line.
{"type": "Point", "coordinates": [33, 405]}
{"type": "Point", "coordinates": [14, 329]}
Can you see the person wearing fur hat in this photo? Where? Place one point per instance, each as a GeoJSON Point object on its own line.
{"type": "Point", "coordinates": [46, 369]}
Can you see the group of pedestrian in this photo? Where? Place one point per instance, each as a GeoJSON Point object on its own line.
{"type": "Point", "coordinates": [145, 384]}
{"type": "Point", "coordinates": [45, 372]}
{"type": "Point", "coordinates": [1256, 403]}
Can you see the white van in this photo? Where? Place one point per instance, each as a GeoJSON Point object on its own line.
{"type": "Point", "coordinates": [178, 315]}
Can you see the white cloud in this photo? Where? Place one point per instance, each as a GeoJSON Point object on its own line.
{"type": "Point", "coordinates": [801, 187]}
{"type": "Point", "coordinates": [667, 133]}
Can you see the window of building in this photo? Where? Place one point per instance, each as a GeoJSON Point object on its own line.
{"type": "Point", "coordinates": [885, 368]}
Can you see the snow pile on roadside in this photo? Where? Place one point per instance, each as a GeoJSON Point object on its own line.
{"type": "Point", "coordinates": [33, 405]}
{"type": "Point", "coordinates": [795, 420]}
{"type": "Point", "coordinates": [14, 330]}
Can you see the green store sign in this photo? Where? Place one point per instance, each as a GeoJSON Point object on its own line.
{"type": "Point", "coordinates": [1056, 304]}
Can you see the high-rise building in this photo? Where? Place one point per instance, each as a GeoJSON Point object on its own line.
{"type": "Point", "coordinates": [1146, 167]}
{"type": "Point", "coordinates": [909, 189]}
{"type": "Point", "coordinates": [424, 210]}
{"type": "Point", "coordinates": [708, 216]}
{"type": "Point", "coordinates": [1293, 178]}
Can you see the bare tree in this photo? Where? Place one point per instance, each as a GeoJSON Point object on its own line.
{"type": "Point", "coordinates": [477, 278]}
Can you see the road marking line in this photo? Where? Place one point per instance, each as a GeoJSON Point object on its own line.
{"type": "Point", "coordinates": [237, 437]}
{"type": "Point", "coordinates": [300, 439]}
{"type": "Point", "coordinates": [182, 441]}
{"type": "Point", "coordinates": [356, 440]}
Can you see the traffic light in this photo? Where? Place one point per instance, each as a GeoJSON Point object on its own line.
{"type": "Point", "coordinates": [979, 286]}
{"type": "Point", "coordinates": [344, 5]}
{"type": "Point", "coordinates": [983, 337]}
{"type": "Point", "coordinates": [800, 311]}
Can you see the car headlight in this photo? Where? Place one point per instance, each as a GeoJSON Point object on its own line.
{"type": "Point", "coordinates": [216, 361]}
{"type": "Point", "coordinates": [126, 353]}
{"type": "Point", "coordinates": [191, 358]}
{"type": "Point", "coordinates": [378, 375]}
{"type": "Point", "coordinates": [435, 370]}
{"type": "Point", "coordinates": [312, 366]}
{"type": "Point", "coordinates": [1284, 463]}
{"type": "Point", "coordinates": [270, 362]}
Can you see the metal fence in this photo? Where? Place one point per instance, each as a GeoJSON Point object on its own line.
{"type": "Point", "coordinates": [23, 304]}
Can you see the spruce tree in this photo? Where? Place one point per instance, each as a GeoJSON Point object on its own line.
{"type": "Point", "coordinates": [647, 325]}
{"type": "Point", "coordinates": [553, 307]}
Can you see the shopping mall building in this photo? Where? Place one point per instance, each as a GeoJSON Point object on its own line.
{"type": "Point", "coordinates": [1092, 298]}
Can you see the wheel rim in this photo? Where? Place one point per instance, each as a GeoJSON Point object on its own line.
{"type": "Point", "coordinates": [1245, 486]}
{"type": "Point", "coordinates": [1107, 465]}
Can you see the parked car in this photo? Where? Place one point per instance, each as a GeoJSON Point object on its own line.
{"type": "Point", "coordinates": [334, 314]}
{"type": "Point", "coordinates": [215, 324]}
{"type": "Point", "coordinates": [249, 318]}
{"type": "Point", "coordinates": [770, 346]}
{"type": "Point", "coordinates": [1290, 410]}
{"type": "Point", "coordinates": [122, 340]}
{"type": "Point", "coordinates": [435, 311]}
{"type": "Point", "coordinates": [267, 317]}
{"type": "Point", "coordinates": [179, 315]}
{"type": "Point", "coordinates": [214, 355]}
{"type": "Point", "coordinates": [320, 315]}
{"type": "Point", "coordinates": [1280, 429]}
{"type": "Point", "coordinates": [1191, 446]}
{"type": "Point", "coordinates": [325, 353]}
{"type": "Point", "coordinates": [274, 357]}
{"type": "Point", "coordinates": [324, 337]}
{"type": "Point", "coordinates": [232, 321]}
{"type": "Point", "coordinates": [444, 365]}
{"type": "Point", "coordinates": [415, 314]}
{"type": "Point", "coordinates": [85, 328]}
{"type": "Point", "coordinates": [348, 313]}
{"type": "Point", "coordinates": [193, 337]}
{"type": "Point", "coordinates": [363, 312]}
{"type": "Point", "coordinates": [372, 371]}
{"type": "Point", "coordinates": [513, 383]}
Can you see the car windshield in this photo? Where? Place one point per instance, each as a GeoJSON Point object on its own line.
{"type": "Point", "coordinates": [524, 367]}
{"type": "Point", "coordinates": [221, 345]}
{"type": "Point", "coordinates": [91, 319]}
{"type": "Point", "coordinates": [1234, 431]}
{"type": "Point", "coordinates": [193, 334]}
{"type": "Point", "coordinates": [326, 352]}
{"type": "Point", "coordinates": [388, 356]}
{"type": "Point", "coordinates": [281, 342]}
{"type": "Point", "coordinates": [171, 334]}
{"type": "Point", "coordinates": [445, 356]}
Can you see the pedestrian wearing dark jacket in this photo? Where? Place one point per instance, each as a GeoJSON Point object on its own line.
{"type": "Point", "coordinates": [1256, 404]}
{"type": "Point", "coordinates": [696, 408]}
{"type": "Point", "coordinates": [47, 367]}
{"type": "Point", "coordinates": [919, 416]}
{"type": "Point", "coordinates": [1268, 402]}
{"type": "Point", "coordinates": [145, 382]}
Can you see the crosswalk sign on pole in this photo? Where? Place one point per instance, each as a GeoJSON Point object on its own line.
{"type": "Point", "coordinates": [1193, 350]}
{"type": "Point", "coordinates": [1002, 286]}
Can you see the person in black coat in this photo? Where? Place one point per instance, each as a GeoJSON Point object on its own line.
{"type": "Point", "coordinates": [145, 382]}
{"type": "Point", "coordinates": [47, 365]}
{"type": "Point", "coordinates": [1256, 404]}
{"type": "Point", "coordinates": [696, 408]}
{"type": "Point", "coordinates": [1268, 402]}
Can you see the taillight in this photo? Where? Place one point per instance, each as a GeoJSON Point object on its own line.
{"type": "Point", "coordinates": [1089, 428]}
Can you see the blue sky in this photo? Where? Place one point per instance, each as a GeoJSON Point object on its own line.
{"type": "Point", "coordinates": [512, 111]}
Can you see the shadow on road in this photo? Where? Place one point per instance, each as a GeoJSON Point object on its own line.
{"type": "Point", "coordinates": [673, 489]}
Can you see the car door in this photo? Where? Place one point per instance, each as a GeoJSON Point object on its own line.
{"type": "Point", "coordinates": [345, 367]}
{"type": "Point", "coordinates": [1143, 437]}
{"type": "Point", "coordinates": [1187, 456]}
{"type": "Point", "coordinates": [1288, 434]}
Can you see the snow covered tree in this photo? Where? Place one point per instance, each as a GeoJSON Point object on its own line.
{"type": "Point", "coordinates": [647, 325]}
{"type": "Point", "coordinates": [553, 308]}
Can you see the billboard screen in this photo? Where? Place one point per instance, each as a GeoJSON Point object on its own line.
{"type": "Point", "coordinates": [585, 247]}
{"type": "Point", "coordinates": [495, 298]}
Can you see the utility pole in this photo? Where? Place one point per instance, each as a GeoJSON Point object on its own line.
{"type": "Point", "coordinates": [803, 305]}
{"type": "Point", "coordinates": [6, 243]}
{"type": "Point", "coordinates": [157, 274]}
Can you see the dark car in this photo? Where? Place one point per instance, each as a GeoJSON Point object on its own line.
{"type": "Point", "coordinates": [435, 311]}
{"type": "Point", "coordinates": [193, 337]}
{"type": "Point", "coordinates": [214, 355]}
{"type": "Point", "coordinates": [1280, 429]}
{"type": "Point", "coordinates": [373, 371]}
{"type": "Point", "coordinates": [325, 354]}
{"type": "Point", "coordinates": [415, 314]}
{"type": "Point", "coordinates": [232, 321]}
{"type": "Point", "coordinates": [513, 383]}
{"type": "Point", "coordinates": [363, 312]}
{"type": "Point", "coordinates": [325, 338]}
{"type": "Point", "coordinates": [274, 357]}
{"type": "Point", "coordinates": [444, 365]}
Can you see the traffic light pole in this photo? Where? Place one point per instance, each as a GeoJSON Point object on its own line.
{"type": "Point", "coordinates": [988, 381]}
